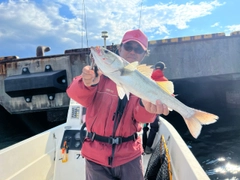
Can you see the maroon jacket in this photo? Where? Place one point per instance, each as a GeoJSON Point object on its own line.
{"type": "Point", "coordinates": [101, 102]}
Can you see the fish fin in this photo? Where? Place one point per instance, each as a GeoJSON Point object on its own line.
{"type": "Point", "coordinates": [205, 117]}
{"type": "Point", "coordinates": [194, 126]}
{"type": "Point", "coordinates": [132, 66]}
{"type": "Point", "coordinates": [122, 92]}
{"type": "Point", "coordinates": [199, 118]}
{"type": "Point", "coordinates": [128, 94]}
{"type": "Point", "coordinates": [146, 70]}
{"type": "Point", "coordinates": [167, 86]}
{"type": "Point", "coordinates": [129, 68]}
{"type": "Point", "coordinates": [142, 68]}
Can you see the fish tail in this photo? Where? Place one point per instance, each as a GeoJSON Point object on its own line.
{"type": "Point", "coordinates": [199, 118]}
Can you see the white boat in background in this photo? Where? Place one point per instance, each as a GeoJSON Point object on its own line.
{"type": "Point", "coordinates": [40, 157]}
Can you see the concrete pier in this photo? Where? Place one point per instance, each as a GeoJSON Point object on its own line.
{"type": "Point", "coordinates": [197, 56]}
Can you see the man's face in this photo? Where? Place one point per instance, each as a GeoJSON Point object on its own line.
{"type": "Point", "coordinates": [132, 51]}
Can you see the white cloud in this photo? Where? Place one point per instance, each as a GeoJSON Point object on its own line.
{"type": "Point", "coordinates": [215, 24]}
{"type": "Point", "coordinates": [118, 16]}
{"type": "Point", "coordinates": [232, 28]}
{"type": "Point", "coordinates": [28, 24]}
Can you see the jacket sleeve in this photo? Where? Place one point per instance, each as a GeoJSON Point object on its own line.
{"type": "Point", "coordinates": [80, 93]}
{"type": "Point", "coordinates": [141, 115]}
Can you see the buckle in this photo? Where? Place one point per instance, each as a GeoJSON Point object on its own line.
{"type": "Point", "coordinates": [117, 140]}
{"type": "Point", "coordinates": [91, 135]}
{"type": "Point", "coordinates": [135, 136]}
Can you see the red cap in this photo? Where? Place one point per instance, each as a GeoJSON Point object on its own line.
{"type": "Point", "coordinates": [136, 35]}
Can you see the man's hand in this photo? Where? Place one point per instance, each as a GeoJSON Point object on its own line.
{"type": "Point", "coordinates": [159, 108]}
{"type": "Point", "coordinates": [89, 77]}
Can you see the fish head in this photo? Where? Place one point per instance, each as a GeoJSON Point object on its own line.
{"type": "Point", "coordinates": [106, 60]}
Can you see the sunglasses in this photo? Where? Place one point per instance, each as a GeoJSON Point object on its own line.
{"type": "Point", "coordinates": [129, 48]}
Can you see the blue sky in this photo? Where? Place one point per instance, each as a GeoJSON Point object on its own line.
{"type": "Point", "coordinates": [70, 24]}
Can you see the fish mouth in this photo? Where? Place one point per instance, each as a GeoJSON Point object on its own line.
{"type": "Point", "coordinates": [98, 51]}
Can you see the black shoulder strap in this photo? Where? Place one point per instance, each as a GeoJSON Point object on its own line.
{"type": "Point", "coordinates": [83, 132]}
{"type": "Point", "coordinates": [116, 118]}
{"type": "Point", "coordinates": [118, 114]}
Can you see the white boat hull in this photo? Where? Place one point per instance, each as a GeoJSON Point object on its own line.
{"type": "Point", "coordinates": [40, 158]}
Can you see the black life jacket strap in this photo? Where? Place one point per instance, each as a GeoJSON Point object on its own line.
{"type": "Point", "coordinates": [111, 140]}
{"type": "Point", "coordinates": [83, 132]}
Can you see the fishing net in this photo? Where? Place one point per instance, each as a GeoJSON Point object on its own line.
{"type": "Point", "coordinates": [159, 167]}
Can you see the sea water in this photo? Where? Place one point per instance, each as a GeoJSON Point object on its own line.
{"type": "Point", "coordinates": [217, 148]}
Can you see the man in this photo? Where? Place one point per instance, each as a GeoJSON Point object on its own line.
{"type": "Point", "coordinates": [157, 76]}
{"type": "Point", "coordinates": [112, 148]}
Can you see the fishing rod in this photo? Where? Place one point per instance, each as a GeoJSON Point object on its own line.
{"type": "Point", "coordinates": [140, 16]}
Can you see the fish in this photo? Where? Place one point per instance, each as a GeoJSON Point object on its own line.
{"type": "Point", "coordinates": [136, 79]}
